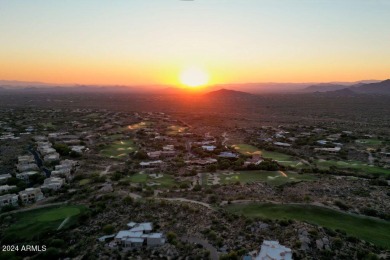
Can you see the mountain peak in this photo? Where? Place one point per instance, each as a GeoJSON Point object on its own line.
{"type": "Point", "coordinates": [227, 92]}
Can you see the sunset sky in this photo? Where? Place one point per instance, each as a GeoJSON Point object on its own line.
{"type": "Point", "coordinates": [235, 41]}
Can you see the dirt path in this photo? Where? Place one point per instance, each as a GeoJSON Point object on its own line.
{"type": "Point", "coordinates": [283, 174]}
{"type": "Point", "coordinates": [63, 223]}
{"type": "Point", "coordinates": [106, 170]}
{"type": "Point", "coordinates": [370, 157]}
{"type": "Point", "coordinates": [187, 200]}
{"type": "Point", "coordinates": [214, 255]}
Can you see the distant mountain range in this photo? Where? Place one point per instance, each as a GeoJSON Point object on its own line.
{"type": "Point", "coordinates": [360, 87]}
{"type": "Point", "coordinates": [381, 88]}
{"type": "Point", "coordinates": [324, 87]}
{"type": "Point", "coordinates": [228, 93]}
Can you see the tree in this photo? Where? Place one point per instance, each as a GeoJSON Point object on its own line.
{"type": "Point", "coordinates": [7, 208]}
{"type": "Point", "coordinates": [108, 229]}
{"type": "Point", "coordinates": [141, 155]}
{"type": "Point", "coordinates": [128, 200]}
{"type": "Point", "coordinates": [213, 199]}
{"type": "Point", "coordinates": [197, 187]}
{"type": "Point", "coordinates": [74, 154]}
{"type": "Point", "coordinates": [212, 168]}
{"type": "Point", "coordinates": [231, 256]}
{"type": "Point", "coordinates": [50, 253]}
{"type": "Point", "coordinates": [224, 164]}
{"type": "Point", "coordinates": [116, 176]}
{"type": "Point", "coordinates": [171, 237]}
{"type": "Point", "coordinates": [62, 149]}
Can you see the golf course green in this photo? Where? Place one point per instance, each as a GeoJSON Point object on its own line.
{"type": "Point", "coordinates": [369, 229]}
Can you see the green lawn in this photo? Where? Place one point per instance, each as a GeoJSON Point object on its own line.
{"type": "Point", "coordinates": [354, 165]}
{"type": "Point", "coordinates": [119, 149]}
{"type": "Point", "coordinates": [30, 224]}
{"type": "Point", "coordinates": [246, 149]}
{"type": "Point", "coordinates": [369, 229]}
{"type": "Point", "coordinates": [84, 182]}
{"type": "Point", "coordinates": [271, 177]}
{"type": "Point", "coordinates": [166, 181]}
{"type": "Point", "coordinates": [369, 143]}
{"type": "Point", "coordinates": [281, 158]}
{"type": "Point", "coordinates": [138, 178]}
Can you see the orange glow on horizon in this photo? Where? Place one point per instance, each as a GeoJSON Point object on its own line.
{"type": "Point", "coordinates": [194, 77]}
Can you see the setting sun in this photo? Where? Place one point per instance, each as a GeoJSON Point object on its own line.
{"type": "Point", "coordinates": [194, 77]}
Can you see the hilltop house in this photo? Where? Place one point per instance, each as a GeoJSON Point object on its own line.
{"type": "Point", "coordinates": [138, 235]}
{"type": "Point", "coordinates": [272, 250]}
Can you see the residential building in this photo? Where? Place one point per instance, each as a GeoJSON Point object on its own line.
{"type": "Point", "coordinates": [272, 250]}
{"type": "Point", "coordinates": [26, 175]}
{"type": "Point", "coordinates": [51, 157]}
{"type": "Point", "coordinates": [329, 150]}
{"type": "Point", "coordinates": [256, 160]}
{"type": "Point", "coordinates": [45, 148]}
{"type": "Point", "coordinates": [5, 188]}
{"type": "Point", "coordinates": [203, 162]}
{"type": "Point", "coordinates": [4, 177]}
{"type": "Point", "coordinates": [169, 147]}
{"type": "Point", "coordinates": [209, 148]}
{"type": "Point", "coordinates": [27, 167]}
{"type": "Point", "coordinates": [228, 155]}
{"type": "Point", "coordinates": [138, 235]}
{"type": "Point", "coordinates": [78, 148]}
{"type": "Point", "coordinates": [31, 195]}
{"type": "Point", "coordinates": [53, 183]}
{"type": "Point", "coordinates": [8, 199]}
{"type": "Point", "coordinates": [282, 144]}
{"type": "Point", "coordinates": [154, 155]}
{"type": "Point", "coordinates": [168, 154]}
{"type": "Point", "coordinates": [26, 159]}
{"type": "Point", "coordinates": [150, 164]}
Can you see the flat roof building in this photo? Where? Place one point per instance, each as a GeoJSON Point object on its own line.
{"type": "Point", "coordinates": [272, 250]}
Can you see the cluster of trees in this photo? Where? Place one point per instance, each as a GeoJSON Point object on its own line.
{"type": "Point", "coordinates": [64, 150]}
{"type": "Point", "coordinates": [266, 165]}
